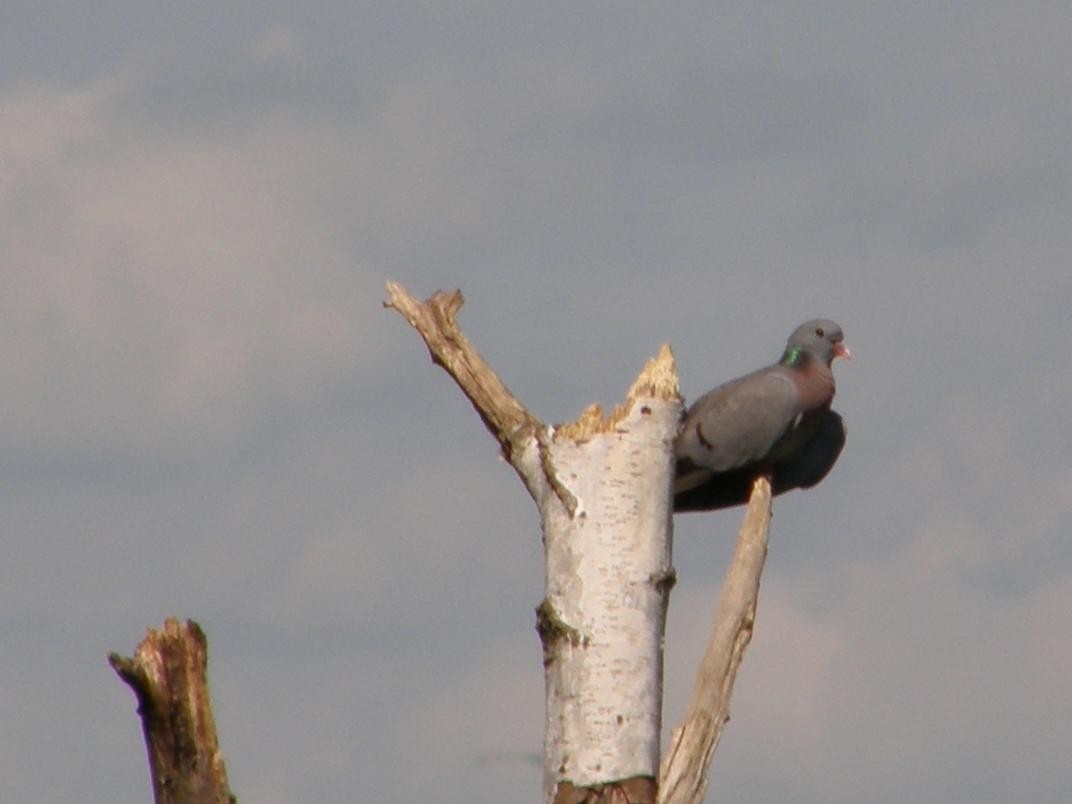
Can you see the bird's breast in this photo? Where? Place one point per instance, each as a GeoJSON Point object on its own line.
{"type": "Point", "coordinates": [816, 388]}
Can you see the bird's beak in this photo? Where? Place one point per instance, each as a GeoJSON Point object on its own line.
{"type": "Point", "coordinates": [841, 350]}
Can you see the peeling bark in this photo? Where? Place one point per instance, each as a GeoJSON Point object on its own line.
{"type": "Point", "coordinates": [168, 674]}
{"type": "Point", "coordinates": [603, 488]}
{"type": "Point", "coordinates": [605, 564]}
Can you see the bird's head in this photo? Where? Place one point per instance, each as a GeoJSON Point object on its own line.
{"type": "Point", "coordinates": [819, 339]}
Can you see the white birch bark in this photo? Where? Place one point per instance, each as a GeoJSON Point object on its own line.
{"type": "Point", "coordinates": [603, 487]}
{"type": "Point", "coordinates": [608, 571]}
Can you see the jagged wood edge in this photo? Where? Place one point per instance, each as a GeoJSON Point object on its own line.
{"type": "Point", "coordinates": [505, 417]}
{"type": "Point", "coordinates": [502, 413]}
{"type": "Point", "coordinates": [168, 674]}
{"type": "Point", "coordinates": [514, 427]}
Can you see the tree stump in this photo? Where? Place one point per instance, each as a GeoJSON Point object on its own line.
{"type": "Point", "coordinates": [168, 674]}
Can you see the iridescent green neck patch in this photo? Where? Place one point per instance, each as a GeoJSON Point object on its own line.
{"type": "Point", "coordinates": [794, 356]}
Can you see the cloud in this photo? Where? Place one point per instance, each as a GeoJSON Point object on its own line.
{"type": "Point", "coordinates": [167, 293]}
{"type": "Point", "coordinates": [206, 412]}
{"type": "Point", "coordinates": [853, 700]}
{"type": "Point", "coordinates": [280, 42]}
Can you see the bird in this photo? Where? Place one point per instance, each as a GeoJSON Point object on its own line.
{"type": "Point", "coordinates": [776, 421]}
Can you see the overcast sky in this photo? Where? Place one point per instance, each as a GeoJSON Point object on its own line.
{"type": "Point", "coordinates": [207, 413]}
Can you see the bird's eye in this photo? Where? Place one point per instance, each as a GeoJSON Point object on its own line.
{"type": "Point", "coordinates": [820, 332]}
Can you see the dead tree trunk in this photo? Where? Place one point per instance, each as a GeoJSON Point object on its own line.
{"type": "Point", "coordinates": [168, 675]}
{"type": "Point", "coordinates": [602, 484]}
{"type": "Point", "coordinates": [603, 488]}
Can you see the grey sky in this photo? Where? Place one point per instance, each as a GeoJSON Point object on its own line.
{"type": "Point", "coordinates": [208, 414]}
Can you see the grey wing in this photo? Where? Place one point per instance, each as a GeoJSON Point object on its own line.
{"type": "Point", "coordinates": [738, 423]}
{"type": "Point", "coordinates": [814, 460]}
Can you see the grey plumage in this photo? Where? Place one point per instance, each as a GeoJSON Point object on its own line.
{"type": "Point", "coordinates": [775, 421]}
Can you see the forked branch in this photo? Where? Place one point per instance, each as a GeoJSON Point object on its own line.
{"type": "Point", "coordinates": [504, 416]}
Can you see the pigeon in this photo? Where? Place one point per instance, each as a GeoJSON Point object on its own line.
{"type": "Point", "coordinates": [775, 421]}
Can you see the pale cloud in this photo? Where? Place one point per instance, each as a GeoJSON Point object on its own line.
{"type": "Point", "coordinates": [39, 127]}
{"type": "Point", "coordinates": [207, 413]}
{"type": "Point", "coordinates": [832, 702]}
{"type": "Point", "coordinates": [281, 42]}
{"type": "Point", "coordinates": [173, 288]}
{"type": "Point", "coordinates": [780, 697]}
{"type": "Point", "coordinates": [486, 725]}
{"type": "Point", "coordinates": [1064, 491]}
{"type": "Point", "coordinates": [934, 664]}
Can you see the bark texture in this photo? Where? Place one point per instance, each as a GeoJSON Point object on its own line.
{"type": "Point", "coordinates": [602, 484]}
{"type": "Point", "coordinates": [683, 778]}
{"type": "Point", "coordinates": [608, 576]}
{"type": "Point", "coordinates": [168, 674]}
